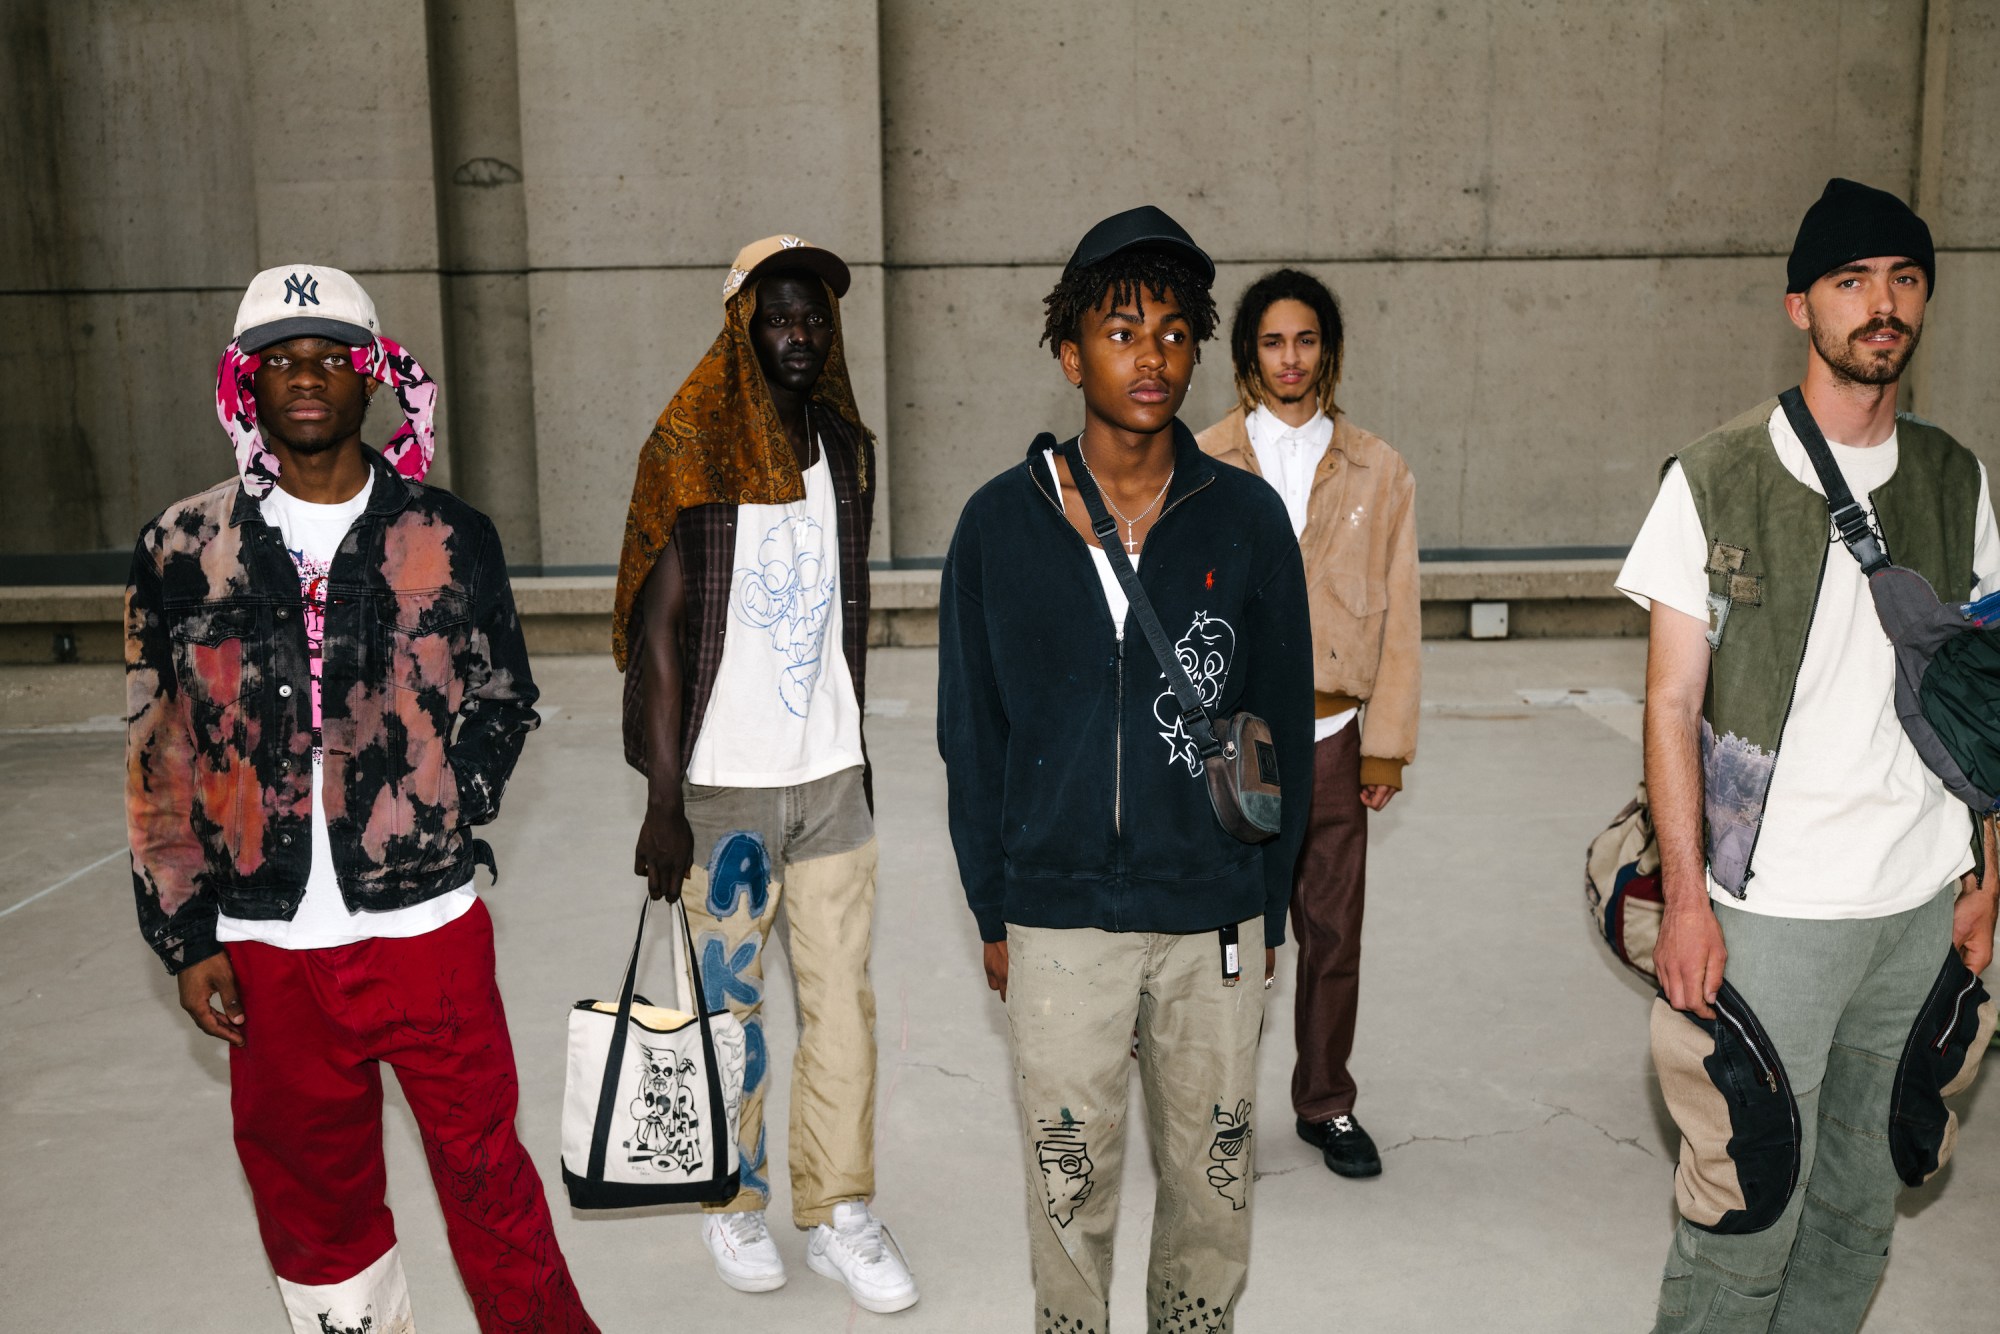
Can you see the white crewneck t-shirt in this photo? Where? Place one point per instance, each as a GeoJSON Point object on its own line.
{"type": "Point", "coordinates": [783, 710]}
{"type": "Point", "coordinates": [312, 533]}
{"type": "Point", "coordinates": [1855, 825]}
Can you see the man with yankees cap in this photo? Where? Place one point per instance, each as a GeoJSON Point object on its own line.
{"type": "Point", "coordinates": [1827, 902]}
{"type": "Point", "coordinates": [327, 689]}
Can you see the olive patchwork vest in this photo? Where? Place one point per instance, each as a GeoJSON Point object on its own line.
{"type": "Point", "coordinates": [1769, 538]}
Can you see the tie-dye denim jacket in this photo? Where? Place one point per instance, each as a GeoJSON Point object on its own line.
{"type": "Point", "coordinates": [426, 694]}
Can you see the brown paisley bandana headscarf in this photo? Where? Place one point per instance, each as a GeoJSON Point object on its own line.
{"type": "Point", "coordinates": [718, 443]}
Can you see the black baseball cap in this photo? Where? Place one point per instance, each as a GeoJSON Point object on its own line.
{"type": "Point", "coordinates": [1142, 228]}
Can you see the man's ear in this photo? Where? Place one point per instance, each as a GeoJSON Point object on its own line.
{"type": "Point", "coordinates": [1071, 357]}
{"type": "Point", "coordinates": [1795, 309]}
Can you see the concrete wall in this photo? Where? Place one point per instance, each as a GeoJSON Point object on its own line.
{"type": "Point", "coordinates": [1557, 228]}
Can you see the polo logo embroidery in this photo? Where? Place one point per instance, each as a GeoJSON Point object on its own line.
{"type": "Point", "coordinates": [1209, 582]}
{"type": "Point", "coordinates": [306, 289]}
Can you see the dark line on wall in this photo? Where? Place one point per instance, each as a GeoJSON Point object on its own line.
{"type": "Point", "coordinates": [898, 267]}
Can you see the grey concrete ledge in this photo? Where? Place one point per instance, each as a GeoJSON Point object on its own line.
{"type": "Point", "coordinates": [572, 613]}
{"type": "Point", "coordinates": [890, 590]}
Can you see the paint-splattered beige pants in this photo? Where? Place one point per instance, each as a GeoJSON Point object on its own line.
{"type": "Point", "coordinates": [1074, 997]}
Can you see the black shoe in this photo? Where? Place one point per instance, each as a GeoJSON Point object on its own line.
{"type": "Point", "coordinates": [1348, 1150]}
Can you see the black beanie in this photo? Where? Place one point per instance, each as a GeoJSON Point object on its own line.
{"type": "Point", "coordinates": [1853, 221]}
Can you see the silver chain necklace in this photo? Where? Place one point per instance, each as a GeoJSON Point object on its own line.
{"type": "Point", "coordinates": [1131, 542]}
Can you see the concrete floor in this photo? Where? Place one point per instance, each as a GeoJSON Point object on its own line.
{"type": "Point", "coordinates": [1501, 1055]}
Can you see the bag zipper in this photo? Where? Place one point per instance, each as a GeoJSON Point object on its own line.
{"type": "Point", "coordinates": [1791, 702]}
{"type": "Point", "coordinates": [1749, 1045]}
{"type": "Point", "coordinates": [1957, 1005]}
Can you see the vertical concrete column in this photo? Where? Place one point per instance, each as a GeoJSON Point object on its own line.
{"type": "Point", "coordinates": [483, 265]}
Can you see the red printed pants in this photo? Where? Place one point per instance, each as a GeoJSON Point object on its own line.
{"type": "Point", "coordinates": [306, 1093]}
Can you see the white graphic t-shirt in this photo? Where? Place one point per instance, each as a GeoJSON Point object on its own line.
{"type": "Point", "coordinates": [1855, 825]}
{"type": "Point", "coordinates": [783, 710]}
{"type": "Point", "coordinates": [312, 533]}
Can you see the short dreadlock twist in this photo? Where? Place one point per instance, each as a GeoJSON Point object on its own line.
{"type": "Point", "coordinates": [1125, 276]}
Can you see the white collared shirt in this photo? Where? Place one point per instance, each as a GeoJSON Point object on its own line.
{"type": "Point", "coordinates": [1289, 456]}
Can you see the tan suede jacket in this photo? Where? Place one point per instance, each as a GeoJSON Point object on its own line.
{"type": "Point", "coordinates": [1360, 551]}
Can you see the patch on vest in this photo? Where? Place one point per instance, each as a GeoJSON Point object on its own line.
{"type": "Point", "coordinates": [1725, 564]}
{"type": "Point", "coordinates": [1718, 616]}
{"type": "Point", "coordinates": [1725, 559]}
{"type": "Point", "coordinates": [1736, 777]}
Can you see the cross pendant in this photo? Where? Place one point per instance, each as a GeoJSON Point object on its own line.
{"type": "Point", "coordinates": [1131, 543]}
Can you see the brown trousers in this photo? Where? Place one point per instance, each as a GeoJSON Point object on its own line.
{"type": "Point", "coordinates": [1327, 892]}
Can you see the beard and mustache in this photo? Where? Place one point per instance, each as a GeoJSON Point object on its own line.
{"type": "Point", "coordinates": [1854, 364]}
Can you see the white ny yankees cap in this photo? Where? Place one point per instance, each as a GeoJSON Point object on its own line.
{"type": "Point", "coordinates": [304, 301]}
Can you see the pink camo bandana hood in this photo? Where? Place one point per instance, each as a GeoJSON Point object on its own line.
{"type": "Point", "coordinates": [409, 451]}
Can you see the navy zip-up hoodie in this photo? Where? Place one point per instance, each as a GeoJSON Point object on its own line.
{"type": "Point", "coordinates": [1076, 797]}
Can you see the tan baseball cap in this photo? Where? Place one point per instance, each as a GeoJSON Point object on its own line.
{"type": "Point", "coordinates": [785, 252]}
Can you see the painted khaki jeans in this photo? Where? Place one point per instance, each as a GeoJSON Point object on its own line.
{"type": "Point", "coordinates": [1074, 996]}
{"type": "Point", "coordinates": [806, 854]}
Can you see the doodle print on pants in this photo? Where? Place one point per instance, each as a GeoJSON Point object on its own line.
{"type": "Point", "coordinates": [1230, 1154]}
{"type": "Point", "coordinates": [1066, 1165]}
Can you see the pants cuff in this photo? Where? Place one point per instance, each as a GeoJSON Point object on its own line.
{"type": "Point", "coordinates": [376, 1300]}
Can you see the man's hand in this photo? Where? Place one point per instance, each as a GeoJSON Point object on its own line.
{"type": "Point", "coordinates": [1972, 919]}
{"type": "Point", "coordinates": [1376, 795]}
{"type": "Point", "coordinates": [1972, 926]}
{"type": "Point", "coordinates": [1690, 956]}
{"type": "Point", "coordinates": [665, 855]}
{"type": "Point", "coordinates": [996, 967]}
{"type": "Point", "coordinates": [213, 979]}
{"type": "Point", "coordinates": [1270, 964]}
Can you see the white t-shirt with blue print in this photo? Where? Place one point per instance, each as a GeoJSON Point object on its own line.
{"type": "Point", "coordinates": [783, 710]}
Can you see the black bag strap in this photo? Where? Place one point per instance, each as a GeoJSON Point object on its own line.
{"type": "Point", "coordinates": [1848, 516]}
{"type": "Point", "coordinates": [1194, 714]}
{"type": "Point", "coordinates": [614, 1057]}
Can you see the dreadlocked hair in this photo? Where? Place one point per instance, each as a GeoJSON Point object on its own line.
{"type": "Point", "coordinates": [1128, 277]}
{"type": "Point", "coordinates": [1286, 285]}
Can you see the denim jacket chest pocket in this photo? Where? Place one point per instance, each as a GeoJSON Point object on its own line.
{"type": "Point", "coordinates": [219, 653]}
{"type": "Point", "coordinates": [424, 632]}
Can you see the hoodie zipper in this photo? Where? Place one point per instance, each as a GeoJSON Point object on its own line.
{"type": "Point", "coordinates": [1118, 764]}
{"type": "Point", "coordinates": [1778, 745]}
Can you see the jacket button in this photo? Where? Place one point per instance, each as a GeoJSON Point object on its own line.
{"type": "Point", "coordinates": [284, 766]}
{"type": "Point", "coordinates": [284, 840]}
{"type": "Point", "coordinates": [284, 613]}
{"type": "Point", "coordinates": [284, 692]}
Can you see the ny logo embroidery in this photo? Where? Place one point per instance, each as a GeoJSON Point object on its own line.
{"type": "Point", "coordinates": [306, 289]}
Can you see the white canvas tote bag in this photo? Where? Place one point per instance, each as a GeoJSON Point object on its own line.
{"type": "Point", "coordinates": [652, 1098]}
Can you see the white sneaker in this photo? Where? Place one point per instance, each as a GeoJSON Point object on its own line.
{"type": "Point", "coordinates": [745, 1256]}
{"type": "Point", "coordinates": [859, 1251]}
